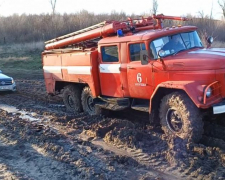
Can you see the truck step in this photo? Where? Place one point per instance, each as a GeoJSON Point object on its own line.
{"type": "Point", "coordinates": [140, 105]}
{"type": "Point", "coordinates": [114, 104]}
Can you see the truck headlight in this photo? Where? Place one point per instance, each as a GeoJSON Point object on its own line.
{"type": "Point", "coordinates": [209, 92]}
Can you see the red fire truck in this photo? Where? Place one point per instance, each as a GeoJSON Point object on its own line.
{"type": "Point", "coordinates": [139, 64]}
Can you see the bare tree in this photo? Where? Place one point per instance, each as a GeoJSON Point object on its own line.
{"type": "Point", "coordinates": [53, 4]}
{"type": "Point", "coordinates": [54, 28]}
{"type": "Point", "coordinates": [211, 12]}
{"type": "Point", "coordinates": [222, 5]}
{"type": "Point", "coordinates": [154, 6]}
{"type": "Point", "coordinates": [201, 14]}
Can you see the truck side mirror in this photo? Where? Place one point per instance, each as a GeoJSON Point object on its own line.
{"type": "Point", "coordinates": [144, 57]}
{"type": "Point", "coordinates": [210, 39]}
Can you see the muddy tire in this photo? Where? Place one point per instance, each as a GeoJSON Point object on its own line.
{"type": "Point", "coordinates": [87, 102]}
{"type": "Point", "coordinates": [180, 117]}
{"type": "Point", "coordinates": [72, 99]}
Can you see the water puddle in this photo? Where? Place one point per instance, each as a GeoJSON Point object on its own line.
{"type": "Point", "coordinates": [31, 116]}
{"type": "Point", "coordinates": [9, 109]}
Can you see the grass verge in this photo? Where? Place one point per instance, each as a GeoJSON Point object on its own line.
{"type": "Point", "coordinates": [22, 60]}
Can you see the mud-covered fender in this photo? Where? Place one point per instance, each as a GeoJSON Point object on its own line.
{"type": "Point", "coordinates": [192, 88]}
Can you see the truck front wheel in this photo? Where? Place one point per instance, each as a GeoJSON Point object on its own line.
{"type": "Point", "coordinates": [72, 98]}
{"type": "Point", "coordinates": [87, 102]}
{"type": "Point", "coordinates": [180, 117]}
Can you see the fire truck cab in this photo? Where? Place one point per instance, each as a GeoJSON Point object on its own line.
{"type": "Point", "coordinates": [141, 65]}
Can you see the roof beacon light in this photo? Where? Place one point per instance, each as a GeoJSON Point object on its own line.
{"type": "Point", "coordinates": [120, 33]}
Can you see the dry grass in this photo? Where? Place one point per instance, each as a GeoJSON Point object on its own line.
{"type": "Point", "coordinates": [31, 46]}
{"type": "Point", "coordinates": [15, 59]}
{"type": "Point", "coordinates": [25, 56]}
{"type": "Point", "coordinates": [218, 44]}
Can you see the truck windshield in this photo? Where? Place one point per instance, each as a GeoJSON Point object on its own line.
{"type": "Point", "coordinates": [176, 43]}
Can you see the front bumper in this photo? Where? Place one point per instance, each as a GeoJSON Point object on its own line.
{"type": "Point", "coordinates": [219, 108]}
{"type": "Point", "coordinates": [8, 87]}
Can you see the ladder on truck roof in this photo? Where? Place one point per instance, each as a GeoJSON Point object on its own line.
{"type": "Point", "coordinates": [106, 29]}
{"type": "Point", "coordinates": [77, 32]}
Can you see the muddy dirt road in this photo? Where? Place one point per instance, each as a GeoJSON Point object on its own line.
{"type": "Point", "coordinates": [40, 140]}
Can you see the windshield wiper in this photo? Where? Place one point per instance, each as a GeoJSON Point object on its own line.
{"type": "Point", "coordinates": [195, 47]}
{"type": "Point", "coordinates": [179, 51]}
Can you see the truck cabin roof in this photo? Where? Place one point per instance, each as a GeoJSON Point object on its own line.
{"type": "Point", "coordinates": [147, 35]}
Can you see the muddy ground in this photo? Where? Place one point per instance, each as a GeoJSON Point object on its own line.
{"type": "Point", "coordinates": [40, 140]}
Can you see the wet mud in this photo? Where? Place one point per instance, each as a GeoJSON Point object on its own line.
{"type": "Point", "coordinates": [40, 140]}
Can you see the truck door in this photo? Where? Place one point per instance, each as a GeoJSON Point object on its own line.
{"type": "Point", "coordinates": [139, 76]}
{"type": "Point", "coordinates": [109, 69]}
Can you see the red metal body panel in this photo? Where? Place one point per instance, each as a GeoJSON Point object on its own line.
{"type": "Point", "coordinates": [78, 67]}
{"type": "Point", "coordinates": [50, 78]}
{"type": "Point", "coordinates": [220, 76]}
{"type": "Point", "coordinates": [196, 72]}
{"type": "Point", "coordinates": [123, 70]}
{"type": "Point", "coordinates": [139, 80]}
{"type": "Point", "coordinates": [193, 89]}
{"type": "Point", "coordinates": [110, 76]}
{"type": "Point", "coordinates": [110, 85]}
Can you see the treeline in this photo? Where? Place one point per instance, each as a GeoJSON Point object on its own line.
{"type": "Point", "coordinates": [33, 28]}
{"type": "Point", "coordinates": [206, 27]}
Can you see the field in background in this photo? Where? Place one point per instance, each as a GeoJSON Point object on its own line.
{"type": "Point", "coordinates": [21, 60]}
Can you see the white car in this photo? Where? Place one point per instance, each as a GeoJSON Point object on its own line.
{"type": "Point", "coordinates": [7, 83]}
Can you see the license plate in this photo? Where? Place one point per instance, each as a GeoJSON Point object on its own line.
{"type": "Point", "coordinates": [5, 87]}
{"type": "Point", "coordinates": [219, 109]}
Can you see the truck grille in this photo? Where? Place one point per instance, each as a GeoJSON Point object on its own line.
{"type": "Point", "coordinates": [5, 82]}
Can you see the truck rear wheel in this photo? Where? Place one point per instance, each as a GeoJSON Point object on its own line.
{"type": "Point", "coordinates": [180, 117]}
{"type": "Point", "coordinates": [87, 102]}
{"type": "Point", "coordinates": [72, 99]}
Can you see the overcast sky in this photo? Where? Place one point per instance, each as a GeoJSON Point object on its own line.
{"type": "Point", "coordinates": [167, 7]}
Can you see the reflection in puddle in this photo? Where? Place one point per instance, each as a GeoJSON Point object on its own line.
{"type": "Point", "coordinates": [23, 114]}
{"type": "Point", "coordinates": [9, 109]}
{"type": "Point", "coordinates": [30, 116]}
